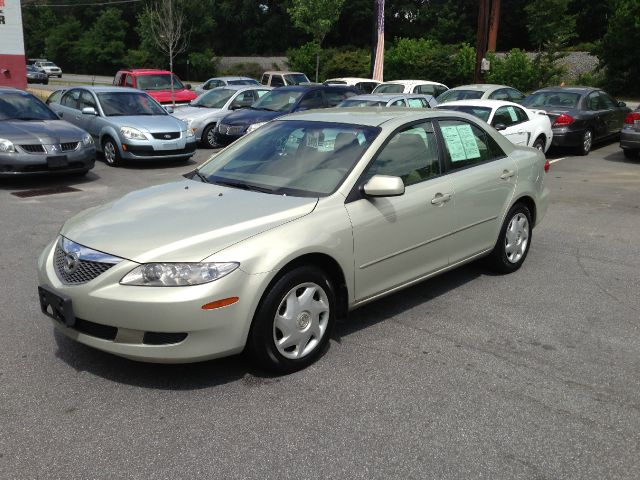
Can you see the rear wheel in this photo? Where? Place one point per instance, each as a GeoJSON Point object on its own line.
{"type": "Point", "coordinates": [630, 152]}
{"type": "Point", "coordinates": [539, 144]}
{"type": "Point", "coordinates": [292, 325]}
{"type": "Point", "coordinates": [587, 142]}
{"type": "Point", "coordinates": [208, 136]}
{"type": "Point", "coordinates": [111, 152]}
{"type": "Point", "coordinates": [514, 241]}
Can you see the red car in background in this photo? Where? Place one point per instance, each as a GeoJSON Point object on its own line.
{"type": "Point", "coordinates": [156, 83]}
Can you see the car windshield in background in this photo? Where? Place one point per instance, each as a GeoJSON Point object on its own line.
{"type": "Point", "coordinates": [159, 81]}
{"type": "Point", "coordinates": [296, 78]}
{"type": "Point", "coordinates": [389, 88]}
{"type": "Point", "coordinates": [47, 64]}
{"type": "Point", "coordinates": [482, 113]}
{"type": "Point", "coordinates": [243, 82]}
{"type": "Point", "coordinates": [453, 95]}
{"type": "Point", "coordinates": [215, 98]}
{"type": "Point", "coordinates": [278, 100]}
{"type": "Point", "coordinates": [23, 106]}
{"type": "Point", "coordinates": [552, 99]}
{"type": "Point", "coordinates": [362, 103]}
{"type": "Point", "coordinates": [298, 158]}
{"type": "Point", "coordinates": [118, 104]}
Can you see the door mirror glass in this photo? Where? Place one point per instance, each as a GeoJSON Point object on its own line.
{"type": "Point", "coordinates": [384, 186]}
{"type": "Point", "coordinates": [500, 126]}
{"type": "Point", "coordinates": [89, 111]}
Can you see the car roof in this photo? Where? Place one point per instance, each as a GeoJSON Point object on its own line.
{"type": "Point", "coordinates": [283, 72]}
{"type": "Point", "coordinates": [480, 103]}
{"type": "Point", "coordinates": [403, 82]}
{"type": "Point", "coordinates": [388, 96]}
{"type": "Point", "coordinates": [242, 87]}
{"type": "Point", "coordinates": [144, 71]}
{"type": "Point", "coordinates": [318, 86]}
{"type": "Point", "coordinates": [351, 79]}
{"type": "Point", "coordinates": [580, 90]}
{"type": "Point", "coordinates": [481, 87]}
{"type": "Point", "coordinates": [106, 88]}
{"type": "Point", "coordinates": [232, 78]}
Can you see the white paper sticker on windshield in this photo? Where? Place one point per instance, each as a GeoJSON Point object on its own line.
{"type": "Point", "coordinates": [512, 113]}
{"type": "Point", "coordinates": [461, 142]}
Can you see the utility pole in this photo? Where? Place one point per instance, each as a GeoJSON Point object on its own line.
{"type": "Point", "coordinates": [488, 20]}
{"type": "Point", "coordinates": [377, 43]}
{"type": "Point", "coordinates": [494, 22]}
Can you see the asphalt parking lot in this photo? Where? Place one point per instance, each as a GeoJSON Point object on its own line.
{"type": "Point", "coordinates": [533, 375]}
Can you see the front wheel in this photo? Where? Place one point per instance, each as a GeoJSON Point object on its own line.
{"type": "Point", "coordinates": [630, 152]}
{"type": "Point", "coordinates": [293, 322]}
{"type": "Point", "coordinates": [111, 152]}
{"type": "Point", "coordinates": [209, 136]}
{"type": "Point", "coordinates": [513, 242]}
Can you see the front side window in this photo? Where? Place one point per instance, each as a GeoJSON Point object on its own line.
{"type": "Point", "coordinates": [411, 154]}
{"type": "Point", "coordinates": [214, 98]}
{"type": "Point", "coordinates": [295, 157]}
{"type": "Point", "coordinates": [467, 145]}
{"type": "Point", "coordinates": [277, 81]}
{"type": "Point", "coordinates": [243, 99]}
{"type": "Point", "coordinates": [71, 99]}
{"type": "Point", "coordinates": [159, 81]}
{"type": "Point", "coordinates": [118, 104]}
{"type": "Point", "coordinates": [506, 116]}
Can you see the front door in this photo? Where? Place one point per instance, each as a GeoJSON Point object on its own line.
{"type": "Point", "coordinates": [403, 238]}
{"type": "Point", "coordinates": [515, 130]}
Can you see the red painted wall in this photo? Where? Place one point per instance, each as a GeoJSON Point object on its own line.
{"type": "Point", "coordinates": [13, 71]}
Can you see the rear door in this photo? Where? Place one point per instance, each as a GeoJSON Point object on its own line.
{"type": "Point", "coordinates": [600, 117]}
{"type": "Point", "coordinates": [483, 179]}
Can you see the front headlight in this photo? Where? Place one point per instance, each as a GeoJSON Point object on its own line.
{"type": "Point", "coordinates": [7, 146]}
{"type": "Point", "coordinates": [190, 131]}
{"type": "Point", "coordinates": [132, 133]}
{"type": "Point", "coordinates": [87, 140]}
{"type": "Point", "coordinates": [177, 274]}
{"type": "Point", "coordinates": [254, 126]}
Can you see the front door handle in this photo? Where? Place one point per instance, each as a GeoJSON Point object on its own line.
{"type": "Point", "coordinates": [507, 174]}
{"type": "Point", "coordinates": [440, 199]}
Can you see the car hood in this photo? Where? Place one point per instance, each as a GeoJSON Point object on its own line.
{"type": "Point", "coordinates": [197, 112]}
{"type": "Point", "coordinates": [249, 116]}
{"type": "Point", "coordinates": [149, 123]}
{"type": "Point", "coordinates": [164, 96]}
{"type": "Point", "coordinates": [40, 131]}
{"type": "Point", "coordinates": [185, 221]}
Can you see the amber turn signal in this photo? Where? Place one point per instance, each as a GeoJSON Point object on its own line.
{"type": "Point", "coordinates": [225, 302]}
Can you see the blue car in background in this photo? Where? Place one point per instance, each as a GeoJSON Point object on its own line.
{"type": "Point", "coordinates": [276, 103]}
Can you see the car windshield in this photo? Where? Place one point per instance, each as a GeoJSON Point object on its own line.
{"type": "Point", "coordinates": [362, 103]}
{"type": "Point", "coordinates": [245, 81]}
{"type": "Point", "coordinates": [278, 100]}
{"type": "Point", "coordinates": [48, 64]}
{"type": "Point", "coordinates": [552, 99]}
{"type": "Point", "coordinates": [215, 98]}
{"type": "Point", "coordinates": [453, 95]}
{"type": "Point", "coordinates": [296, 78]}
{"type": "Point", "coordinates": [389, 88]}
{"type": "Point", "coordinates": [118, 104]}
{"type": "Point", "coordinates": [23, 106]}
{"type": "Point", "coordinates": [158, 81]}
{"type": "Point", "coordinates": [483, 113]}
{"type": "Point", "coordinates": [296, 157]}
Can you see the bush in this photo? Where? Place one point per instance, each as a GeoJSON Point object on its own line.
{"type": "Point", "coordinates": [303, 59]}
{"type": "Point", "coordinates": [202, 65]}
{"type": "Point", "coordinates": [346, 63]}
{"type": "Point", "coordinates": [420, 59]}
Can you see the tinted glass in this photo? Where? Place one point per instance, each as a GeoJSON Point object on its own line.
{"type": "Point", "coordinates": [296, 78]}
{"type": "Point", "coordinates": [214, 98]}
{"type": "Point", "coordinates": [86, 100]}
{"type": "Point", "coordinates": [501, 94]}
{"type": "Point", "coordinates": [607, 102]}
{"type": "Point", "coordinates": [117, 104]}
{"type": "Point", "coordinates": [515, 95]}
{"type": "Point", "coordinates": [71, 99]}
{"type": "Point", "coordinates": [277, 81]}
{"type": "Point", "coordinates": [312, 100]}
{"type": "Point", "coordinates": [466, 144]}
{"type": "Point", "coordinates": [23, 106]}
{"type": "Point", "coordinates": [128, 81]}
{"type": "Point", "coordinates": [389, 88]}
{"type": "Point", "coordinates": [453, 95]}
{"type": "Point", "coordinates": [297, 158]}
{"type": "Point", "coordinates": [426, 89]}
{"type": "Point", "coordinates": [243, 82]}
{"type": "Point", "coordinates": [354, 102]}
{"type": "Point", "coordinates": [506, 116]}
{"type": "Point", "coordinates": [552, 99]}
{"type": "Point", "coordinates": [411, 154]}
{"type": "Point", "coordinates": [483, 113]}
{"type": "Point", "coordinates": [334, 97]}
{"type": "Point", "coordinates": [158, 81]}
{"type": "Point", "coordinates": [278, 100]}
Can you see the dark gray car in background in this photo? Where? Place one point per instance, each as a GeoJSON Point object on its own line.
{"type": "Point", "coordinates": [34, 140]}
{"type": "Point", "coordinates": [630, 134]}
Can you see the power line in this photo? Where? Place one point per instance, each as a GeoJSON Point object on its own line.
{"type": "Point", "coordinates": [96, 4]}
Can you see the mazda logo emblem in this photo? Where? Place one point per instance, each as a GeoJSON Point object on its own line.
{"type": "Point", "coordinates": [71, 263]}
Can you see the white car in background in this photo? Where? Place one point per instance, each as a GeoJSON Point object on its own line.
{"type": "Point", "coordinates": [223, 81]}
{"type": "Point", "coordinates": [50, 68]}
{"type": "Point", "coordinates": [523, 126]}
{"type": "Point", "coordinates": [412, 86]}
{"type": "Point", "coordinates": [365, 84]}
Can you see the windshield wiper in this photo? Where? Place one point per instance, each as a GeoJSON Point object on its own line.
{"type": "Point", "coordinates": [265, 108]}
{"type": "Point", "coordinates": [28, 119]}
{"type": "Point", "coordinates": [201, 177]}
{"type": "Point", "coordinates": [243, 186]}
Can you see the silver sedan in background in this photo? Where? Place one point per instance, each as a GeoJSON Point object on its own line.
{"type": "Point", "coordinates": [411, 100]}
{"type": "Point", "coordinates": [224, 81]}
{"type": "Point", "coordinates": [204, 113]}
{"type": "Point", "coordinates": [126, 124]}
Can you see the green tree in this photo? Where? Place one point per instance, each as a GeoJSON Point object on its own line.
{"type": "Point", "coordinates": [549, 21]}
{"type": "Point", "coordinates": [315, 17]}
{"type": "Point", "coordinates": [101, 49]}
{"type": "Point", "coordinates": [61, 41]}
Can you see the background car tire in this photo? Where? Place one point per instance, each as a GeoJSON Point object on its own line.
{"type": "Point", "coordinates": [110, 152]}
{"type": "Point", "coordinates": [208, 137]}
{"type": "Point", "coordinates": [539, 144]}
{"type": "Point", "coordinates": [630, 153]}
{"type": "Point", "coordinates": [586, 143]}
{"type": "Point", "coordinates": [509, 253]}
{"type": "Point", "coordinates": [284, 299]}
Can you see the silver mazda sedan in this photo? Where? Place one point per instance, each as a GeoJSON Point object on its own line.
{"type": "Point", "coordinates": [127, 124]}
{"type": "Point", "coordinates": [304, 219]}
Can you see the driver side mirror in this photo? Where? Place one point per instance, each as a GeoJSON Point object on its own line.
{"type": "Point", "coordinates": [89, 111]}
{"type": "Point", "coordinates": [500, 126]}
{"type": "Point", "coordinates": [187, 86]}
{"type": "Point", "coordinates": [384, 186]}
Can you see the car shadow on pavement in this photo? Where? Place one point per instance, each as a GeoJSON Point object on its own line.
{"type": "Point", "coordinates": [38, 182]}
{"type": "Point", "coordinates": [618, 157]}
{"type": "Point", "coordinates": [156, 164]}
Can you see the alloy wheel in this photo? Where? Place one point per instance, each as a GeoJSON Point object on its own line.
{"type": "Point", "coordinates": [517, 238]}
{"type": "Point", "coordinates": [109, 152]}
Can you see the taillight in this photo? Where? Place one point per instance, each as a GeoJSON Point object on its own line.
{"type": "Point", "coordinates": [563, 120]}
{"type": "Point", "coordinates": [633, 118]}
{"type": "Point", "coordinates": [547, 165]}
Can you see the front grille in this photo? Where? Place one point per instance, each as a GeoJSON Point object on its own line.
{"type": "Point", "coordinates": [230, 129]}
{"type": "Point", "coordinates": [33, 148]}
{"type": "Point", "coordinates": [68, 147]}
{"type": "Point", "coordinates": [162, 338]}
{"type": "Point", "coordinates": [166, 135]}
{"type": "Point", "coordinates": [86, 270]}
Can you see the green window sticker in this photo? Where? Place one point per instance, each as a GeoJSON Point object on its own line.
{"type": "Point", "coordinates": [512, 113]}
{"type": "Point", "coordinates": [414, 103]}
{"type": "Point", "coordinates": [460, 142]}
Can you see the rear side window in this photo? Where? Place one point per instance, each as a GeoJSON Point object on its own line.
{"type": "Point", "coordinates": [334, 97]}
{"type": "Point", "coordinates": [311, 100]}
{"type": "Point", "coordinates": [515, 95]}
{"type": "Point", "coordinates": [86, 101]}
{"type": "Point", "coordinates": [426, 89]}
{"type": "Point", "coordinates": [501, 94]}
{"type": "Point", "coordinates": [117, 79]}
{"type": "Point", "coordinates": [467, 145]}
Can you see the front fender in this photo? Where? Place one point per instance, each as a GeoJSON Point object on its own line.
{"type": "Point", "coordinates": [109, 131]}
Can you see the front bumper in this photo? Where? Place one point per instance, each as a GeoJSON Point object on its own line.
{"type": "Point", "coordinates": [629, 139]}
{"type": "Point", "coordinates": [19, 163]}
{"type": "Point", "coordinates": [118, 319]}
{"type": "Point", "coordinates": [223, 140]}
{"type": "Point", "coordinates": [563, 137]}
{"type": "Point", "coordinates": [148, 152]}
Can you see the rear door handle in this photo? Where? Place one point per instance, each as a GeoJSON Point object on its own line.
{"type": "Point", "coordinates": [507, 174]}
{"type": "Point", "coordinates": [440, 199]}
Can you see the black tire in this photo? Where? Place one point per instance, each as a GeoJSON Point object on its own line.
{"type": "Point", "coordinates": [539, 144]}
{"type": "Point", "coordinates": [208, 138]}
{"type": "Point", "coordinates": [45, 82]}
{"type": "Point", "coordinates": [261, 344]}
{"type": "Point", "coordinates": [500, 259]}
{"type": "Point", "coordinates": [585, 147]}
{"type": "Point", "coordinates": [630, 153]}
{"type": "Point", "coordinates": [60, 76]}
{"type": "Point", "coordinates": [111, 157]}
